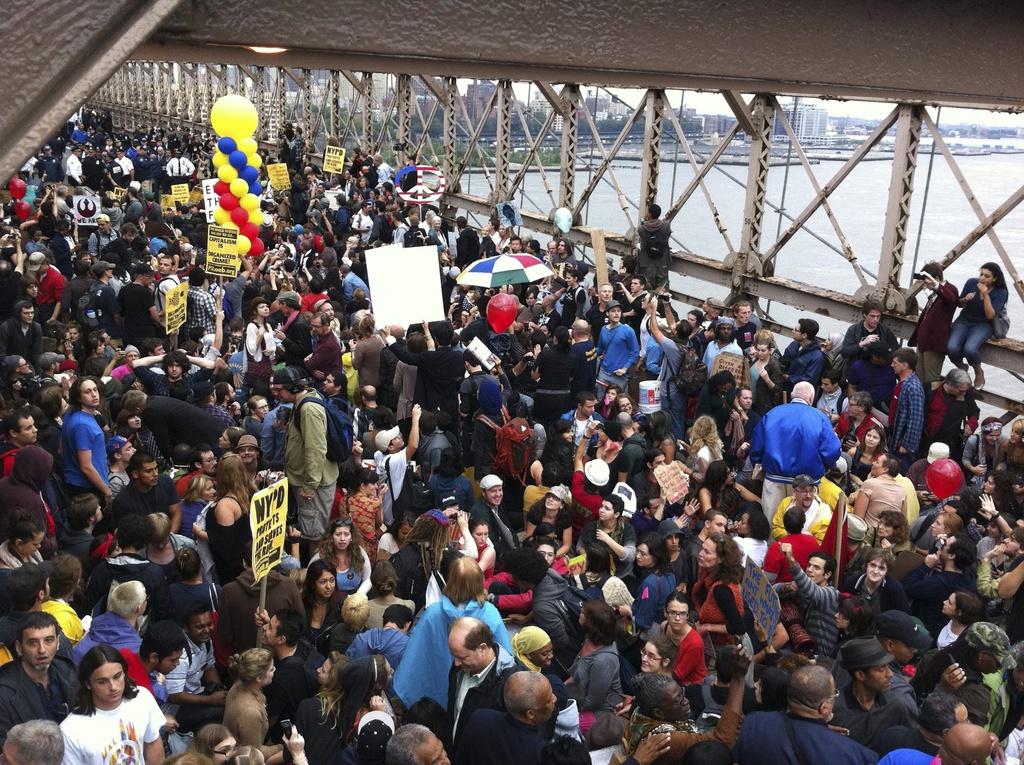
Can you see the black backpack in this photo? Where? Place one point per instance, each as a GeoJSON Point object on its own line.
{"type": "Point", "coordinates": [89, 312]}
{"type": "Point", "coordinates": [692, 372]}
{"type": "Point", "coordinates": [415, 496]}
{"type": "Point", "coordinates": [570, 605]}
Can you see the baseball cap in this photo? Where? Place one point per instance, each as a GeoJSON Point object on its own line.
{"type": "Point", "coordinates": [102, 265]}
{"type": "Point", "coordinates": [103, 218]}
{"type": "Point", "coordinates": [449, 501]}
{"type": "Point", "coordinates": [490, 481]}
{"type": "Point", "coordinates": [289, 297]}
{"type": "Point", "coordinates": [985, 636]}
{"type": "Point", "coordinates": [613, 304]}
{"type": "Point", "coordinates": [901, 626]}
{"type": "Point", "coordinates": [937, 451]}
{"type": "Point", "coordinates": [668, 527]}
{"type": "Point", "coordinates": [156, 244]}
{"type": "Point", "coordinates": [802, 481]}
{"type": "Point", "coordinates": [35, 261]}
{"type": "Point", "coordinates": [385, 437]}
{"type": "Point", "coordinates": [856, 528]}
{"type": "Point", "coordinates": [115, 444]}
{"type": "Point", "coordinates": [142, 269]}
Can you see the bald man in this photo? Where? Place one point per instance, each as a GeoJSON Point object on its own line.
{"type": "Point", "coordinates": [790, 440]}
{"type": "Point", "coordinates": [515, 736]}
{"type": "Point", "coordinates": [963, 744]}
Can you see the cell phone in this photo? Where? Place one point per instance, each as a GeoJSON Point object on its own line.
{"type": "Point", "coordinates": [286, 728]}
{"type": "Point", "coordinates": [922, 276]}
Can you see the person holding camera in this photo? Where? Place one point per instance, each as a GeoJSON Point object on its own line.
{"type": "Point", "coordinates": [931, 334]}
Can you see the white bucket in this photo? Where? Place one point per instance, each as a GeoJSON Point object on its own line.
{"type": "Point", "coordinates": [650, 396]}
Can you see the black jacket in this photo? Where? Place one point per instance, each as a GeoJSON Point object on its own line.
{"type": "Point", "coordinates": [20, 700]}
{"type": "Point", "coordinates": [438, 376]}
{"type": "Point", "coordinates": [125, 568]}
{"type": "Point", "coordinates": [15, 342]}
{"type": "Point", "coordinates": [486, 695]}
{"type": "Point", "coordinates": [297, 343]}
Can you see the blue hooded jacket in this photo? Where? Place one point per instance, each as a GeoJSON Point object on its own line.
{"type": "Point", "coordinates": [426, 661]}
{"type": "Point", "coordinates": [108, 629]}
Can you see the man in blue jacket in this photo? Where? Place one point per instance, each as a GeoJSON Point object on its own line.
{"type": "Point", "coordinates": [791, 440]}
{"type": "Point", "coordinates": [800, 735]}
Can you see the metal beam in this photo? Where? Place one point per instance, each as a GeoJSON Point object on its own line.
{"type": "Point", "coordinates": [846, 50]}
{"type": "Point", "coordinates": [748, 259]}
{"type": "Point", "coordinates": [897, 210]}
{"type": "Point", "coordinates": [654, 125]}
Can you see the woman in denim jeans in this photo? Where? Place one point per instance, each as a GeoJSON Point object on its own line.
{"type": "Point", "coordinates": [980, 300]}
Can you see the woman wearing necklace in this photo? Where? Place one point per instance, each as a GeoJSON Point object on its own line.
{"type": "Point", "coordinates": [342, 546]}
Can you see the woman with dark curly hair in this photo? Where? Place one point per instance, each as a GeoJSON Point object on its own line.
{"type": "Point", "coordinates": [716, 593]}
{"type": "Point", "coordinates": [342, 545]}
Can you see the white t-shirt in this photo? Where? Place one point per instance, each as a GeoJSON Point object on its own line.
{"type": "Point", "coordinates": [387, 545]}
{"type": "Point", "coordinates": [114, 737]}
{"type": "Point", "coordinates": [397, 463]}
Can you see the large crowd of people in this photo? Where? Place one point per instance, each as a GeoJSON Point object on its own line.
{"type": "Point", "coordinates": [537, 557]}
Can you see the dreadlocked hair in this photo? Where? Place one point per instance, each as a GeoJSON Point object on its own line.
{"type": "Point", "coordinates": [432, 539]}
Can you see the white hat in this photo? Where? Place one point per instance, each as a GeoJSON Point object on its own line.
{"type": "Point", "coordinates": [490, 481]}
{"type": "Point", "coordinates": [937, 451]}
{"type": "Point", "coordinates": [384, 438]}
{"type": "Point", "coordinates": [856, 528]}
{"type": "Point", "coordinates": [597, 472]}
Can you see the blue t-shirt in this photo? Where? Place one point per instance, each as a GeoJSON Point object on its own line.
{"type": "Point", "coordinates": [82, 432]}
{"type": "Point", "coordinates": [974, 310]}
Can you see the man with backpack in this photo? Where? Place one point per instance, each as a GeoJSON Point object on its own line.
{"type": "Point", "coordinates": [682, 372]}
{"type": "Point", "coordinates": [311, 473]}
{"type": "Point", "coordinates": [654, 248]}
{"type": "Point", "coordinates": [392, 460]}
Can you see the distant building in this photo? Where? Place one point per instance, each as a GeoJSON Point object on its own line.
{"type": "Point", "coordinates": [478, 93]}
{"type": "Point", "coordinates": [809, 121]}
{"type": "Point", "coordinates": [719, 124]}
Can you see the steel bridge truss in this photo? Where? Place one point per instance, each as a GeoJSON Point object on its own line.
{"type": "Point", "coordinates": [440, 125]}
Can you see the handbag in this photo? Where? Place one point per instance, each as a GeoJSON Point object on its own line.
{"type": "Point", "coordinates": [1001, 324]}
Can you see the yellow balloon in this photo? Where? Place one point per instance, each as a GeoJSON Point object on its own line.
{"type": "Point", "coordinates": [219, 159]}
{"type": "Point", "coordinates": [250, 202]}
{"type": "Point", "coordinates": [244, 244]}
{"type": "Point", "coordinates": [239, 187]}
{"type": "Point", "coordinates": [249, 146]}
{"type": "Point", "coordinates": [256, 216]}
{"type": "Point", "coordinates": [231, 225]}
{"type": "Point", "coordinates": [255, 160]}
{"type": "Point", "coordinates": [221, 216]}
{"type": "Point", "coordinates": [234, 116]}
{"type": "Point", "coordinates": [227, 174]}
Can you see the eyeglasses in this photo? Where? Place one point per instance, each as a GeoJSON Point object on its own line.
{"type": "Point", "coordinates": [677, 614]}
{"type": "Point", "coordinates": [644, 653]}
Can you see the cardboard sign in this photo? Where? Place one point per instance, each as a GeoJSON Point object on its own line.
{"type": "Point", "coordinates": [222, 257]}
{"type": "Point", "coordinates": [334, 159]}
{"type": "Point", "coordinates": [279, 178]}
{"type": "Point", "coordinates": [762, 600]}
{"type": "Point", "coordinates": [117, 193]}
{"type": "Point", "coordinates": [167, 204]}
{"type": "Point", "coordinates": [405, 284]}
{"type": "Point", "coordinates": [175, 308]}
{"type": "Point", "coordinates": [86, 208]}
{"type": "Point", "coordinates": [734, 363]}
{"type": "Point", "coordinates": [268, 511]}
{"type": "Point", "coordinates": [180, 192]}
{"type": "Point", "coordinates": [673, 481]}
{"type": "Point", "coordinates": [508, 214]}
{"type": "Point", "coordinates": [210, 198]}
{"type": "Point", "coordinates": [484, 355]}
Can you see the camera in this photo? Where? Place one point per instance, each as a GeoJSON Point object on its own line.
{"type": "Point", "coordinates": [922, 276]}
{"type": "Point", "coordinates": [399, 145]}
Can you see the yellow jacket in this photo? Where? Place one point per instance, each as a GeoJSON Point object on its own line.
{"type": "Point", "coordinates": [829, 493]}
{"type": "Point", "coordinates": [66, 617]}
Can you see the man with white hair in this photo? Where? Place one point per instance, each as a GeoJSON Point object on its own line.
{"type": "Point", "coordinates": [38, 742]}
{"type": "Point", "coordinates": [790, 440]}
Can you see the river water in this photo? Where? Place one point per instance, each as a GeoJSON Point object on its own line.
{"type": "Point", "coordinates": [858, 204]}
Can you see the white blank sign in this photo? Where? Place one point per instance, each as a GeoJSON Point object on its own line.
{"type": "Point", "coordinates": [405, 284]}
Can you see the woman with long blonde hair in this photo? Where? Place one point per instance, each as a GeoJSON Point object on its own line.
{"type": "Point", "coordinates": [227, 526]}
{"type": "Point", "coordinates": [705, 445]}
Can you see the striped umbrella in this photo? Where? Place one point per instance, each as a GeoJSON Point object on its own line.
{"type": "Point", "coordinates": [504, 269]}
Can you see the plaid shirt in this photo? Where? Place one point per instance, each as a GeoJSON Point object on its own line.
{"type": "Point", "coordinates": [202, 310]}
{"type": "Point", "coordinates": [907, 422]}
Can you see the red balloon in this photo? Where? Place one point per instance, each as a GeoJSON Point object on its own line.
{"type": "Point", "coordinates": [944, 478]}
{"type": "Point", "coordinates": [240, 215]}
{"type": "Point", "coordinates": [250, 230]}
{"type": "Point", "coordinates": [501, 311]}
{"type": "Point", "coordinates": [220, 188]}
{"type": "Point", "coordinates": [22, 209]}
{"type": "Point", "coordinates": [255, 248]}
{"type": "Point", "coordinates": [228, 201]}
{"type": "Point", "coordinates": [17, 188]}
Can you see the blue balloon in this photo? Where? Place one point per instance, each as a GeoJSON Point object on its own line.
{"type": "Point", "coordinates": [238, 159]}
{"type": "Point", "coordinates": [227, 145]}
{"type": "Point", "coordinates": [298, 229]}
{"type": "Point", "coordinates": [255, 188]}
{"type": "Point", "coordinates": [249, 174]}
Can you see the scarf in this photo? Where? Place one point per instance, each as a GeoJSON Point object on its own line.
{"type": "Point", "coordinates": [525, 642]}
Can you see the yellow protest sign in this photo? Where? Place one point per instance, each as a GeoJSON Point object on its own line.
{"type": "Point", "coordinates": [222, 257]}
{"type": "Point", "coordinates": [175, 308]}
{"type": "Point", "coordinates": [196, 196]}
{"type": "Point", "coordinates": [268, 511]}
{"type": "Point", "coordinates": [167, 204]}
{"type": "Point", "coordinates": [334, 159]}
{"type": "Point", "coordinates": [179, 192]}
{"type": "Point", "coordinates": [279, 178]}
{"type": "Point", "coordinates": [117, 193]}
